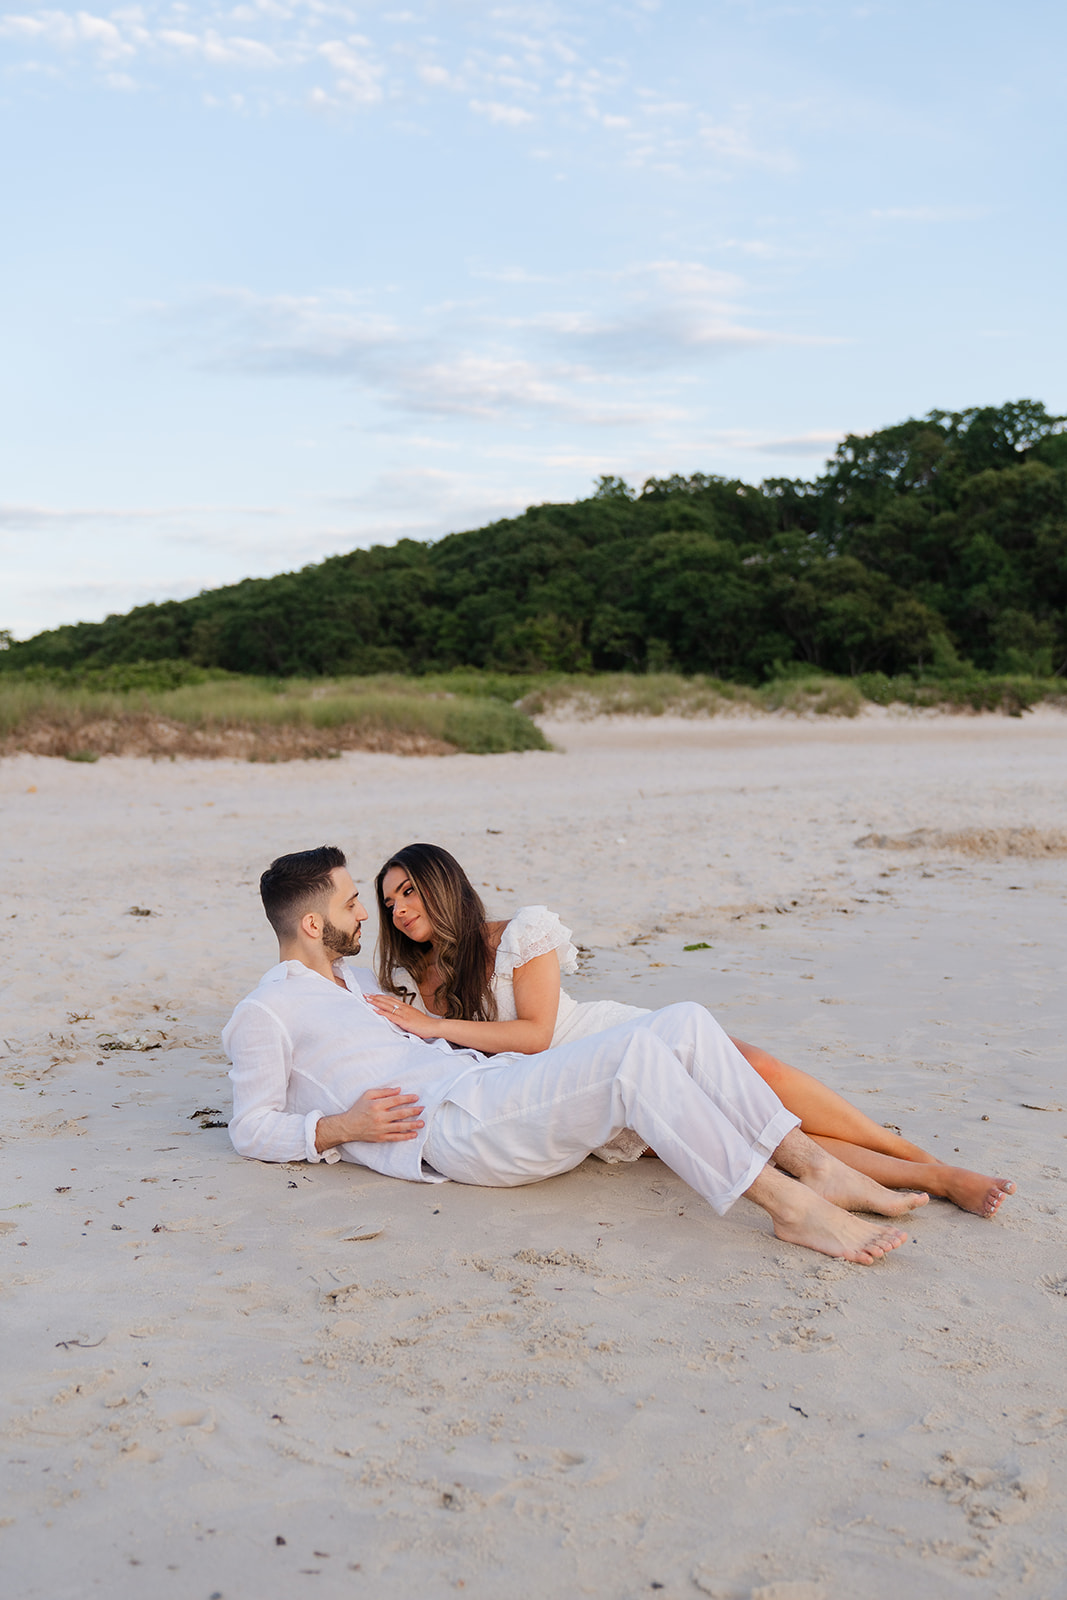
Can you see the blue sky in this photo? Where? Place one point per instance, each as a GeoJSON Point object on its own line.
{"type": "Point", "coordinates": [281, 279]}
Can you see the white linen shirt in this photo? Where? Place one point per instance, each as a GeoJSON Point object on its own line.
{"type": "Point", "coordinates": [302, 1048]}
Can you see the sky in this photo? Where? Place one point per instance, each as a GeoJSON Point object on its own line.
{"type": "Point", "coordinates": [289, 277]}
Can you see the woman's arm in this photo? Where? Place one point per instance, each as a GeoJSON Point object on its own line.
{"type": "Point", "coordinates": [536, 1001]}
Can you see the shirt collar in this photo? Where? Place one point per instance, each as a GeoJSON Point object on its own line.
{"type": "Point", "coordinates": [297, 969]}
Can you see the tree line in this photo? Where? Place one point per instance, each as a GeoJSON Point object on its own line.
{"type": "Point", "coordinates": [937, 541]}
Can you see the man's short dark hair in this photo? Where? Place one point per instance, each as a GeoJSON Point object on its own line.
{"type": "Point", "coordinates": [296, 884]}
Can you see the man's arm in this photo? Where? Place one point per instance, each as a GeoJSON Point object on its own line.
{"type": "Point", "coordinates": [380, 1116]}
{"type": "Point", "coordinates": [261, 1052]}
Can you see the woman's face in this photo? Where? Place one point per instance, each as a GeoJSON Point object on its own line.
{"type": "Point", "coordinates": [402, 900]}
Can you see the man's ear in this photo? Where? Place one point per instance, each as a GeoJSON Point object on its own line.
{"type": "Point", "coordinates": [311, 925]}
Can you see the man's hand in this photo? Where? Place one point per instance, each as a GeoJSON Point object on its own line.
{"type": "Point", "coordinates": [380, 1116]}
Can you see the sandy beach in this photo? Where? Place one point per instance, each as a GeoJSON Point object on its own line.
{"type": "Point", "coordinates": [227, 1380]}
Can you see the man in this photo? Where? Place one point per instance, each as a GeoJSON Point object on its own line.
{"type": "Point", "coordinates": [310, 1055]}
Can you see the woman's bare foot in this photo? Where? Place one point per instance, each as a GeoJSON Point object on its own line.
{"type": "Point", "coordinates": [842, 1186]}
{"type": "Point", "coordinates": [801, 1216]}
{"type": "Point", "coordinates": [972, 1192]}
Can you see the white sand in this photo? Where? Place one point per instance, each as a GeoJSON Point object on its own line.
{"type": "Point", "coordinates": [593, 1385]}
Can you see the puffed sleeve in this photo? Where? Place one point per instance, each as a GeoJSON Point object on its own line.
{"type": "Point", "coordinates": [534, 931]}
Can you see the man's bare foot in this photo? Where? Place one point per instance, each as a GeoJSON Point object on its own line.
{"type": "Point", "coordinates": [842, 1186]}
{"type": "Point", "coordinates": [800, 1216]}
{"type": "Point", "coordinates": [972, 1192]}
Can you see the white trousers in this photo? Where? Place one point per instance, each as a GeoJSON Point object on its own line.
{"type": "Point", "coordinates": [671, 1075]}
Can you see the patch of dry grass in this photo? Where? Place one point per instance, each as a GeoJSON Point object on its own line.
{"type": "Point", "coordinates": [658, 694]}
{"type": "Point", "coordinates": [251, 720]}
{"type": "Point", "coordinates": [990, 843]}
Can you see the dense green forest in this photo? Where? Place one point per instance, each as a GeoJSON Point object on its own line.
{"type": "Point", "coordinates": [939, 540]}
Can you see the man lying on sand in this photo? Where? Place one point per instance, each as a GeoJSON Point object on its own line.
{"type": "Point", "coordinates": [310, 1054]}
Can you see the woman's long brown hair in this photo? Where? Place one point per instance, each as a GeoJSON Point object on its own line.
{"type": "Point", "coordinates": [460, 936]}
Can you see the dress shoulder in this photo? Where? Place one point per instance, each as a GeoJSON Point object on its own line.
{"type": "Point", "coordinates": [534, 931]}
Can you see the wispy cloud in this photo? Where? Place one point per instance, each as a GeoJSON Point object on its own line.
{"type": "Point", "coordinates": [496, 111]}
{"type": "Point", "coordinates": [528, 69]}
{"type": "Point", "coordinates": [587, 362]}
{"type": "Point", "coordinates": [19, 519]}
{"type": "Point", "coordinates": [801, 444]}
{"type": "Point", "coordinates": [929, 213]}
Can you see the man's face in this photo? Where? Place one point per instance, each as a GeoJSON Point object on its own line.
{"type": "Point", "coordinates": [343, 918]}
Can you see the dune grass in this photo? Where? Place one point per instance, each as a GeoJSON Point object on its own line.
{"type": "Point", "coordinates": [176, 709]}
{"type": "Point", "coordinates": [796, 692]}
{"type": "Point", "coordinates": [256, 719]}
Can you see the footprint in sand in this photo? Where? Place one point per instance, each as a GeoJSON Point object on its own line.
{"type": "Point", "coordinates": [989, 1496]}
{"type": "Point", "coordinates": [705, 1577]}
{"type": "Point", "coordinates": [1054, 1282]}
{"type": "Point", "coordinates": [53, 1125]}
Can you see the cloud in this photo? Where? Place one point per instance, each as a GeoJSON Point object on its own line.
{"type": "Point", "coordinates": [801, 444]}
{"type": "Point", "coordinates": [66, 31]}
{"type": "Point", "coordinates": [70, 519]}
{"type": "Point", "coordinates": [32, 519]}
{"type": "Point", "coordinates": [520, 67]}
{"type": "Point", "coordinates": [930, 213]}
{"type": "Point", "coordinates": [237, 330]}
{"type": "Point", "coordinates": [731, 142]}
{"type": "Point", "coordinates": [669, 315]}
{"type": "Point", "coordinates": [487, 386]}
{"type": "Point", "coordinates": [419, 499]}
{"type": "Point", "coordinates": [591, 362]}
{"type": "Point", "coordinates": [437, 77]}
{"type": "Point", "coordinates": [274, 39]}
{"type": "Point", "coordinates": [358, 76]}
{"type": "Point", "coordinates": [512, 116]}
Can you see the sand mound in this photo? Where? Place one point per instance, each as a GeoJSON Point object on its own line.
{"type": "Point", "coordinates": [987, 842]}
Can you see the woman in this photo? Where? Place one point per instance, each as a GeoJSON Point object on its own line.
{"type": "Point", "coordinates": [496, 986]}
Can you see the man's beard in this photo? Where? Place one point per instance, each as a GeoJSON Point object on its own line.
{"type": "Point", "coordinates": [338, 943]}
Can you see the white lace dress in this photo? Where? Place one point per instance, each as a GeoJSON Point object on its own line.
{"type": "Point", "coordinates": [534, 931]}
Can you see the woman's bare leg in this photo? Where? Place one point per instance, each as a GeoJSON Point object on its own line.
{"type": "Point", "coordinates": [822, 1111]}
{"type": "Point", "coordinates": [846, 1132]}
{"type": "Point", "coordinates": [971, 1191]}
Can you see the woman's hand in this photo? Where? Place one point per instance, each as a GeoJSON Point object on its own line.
{"type": "Point", "coordinates": [405, 1016]}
